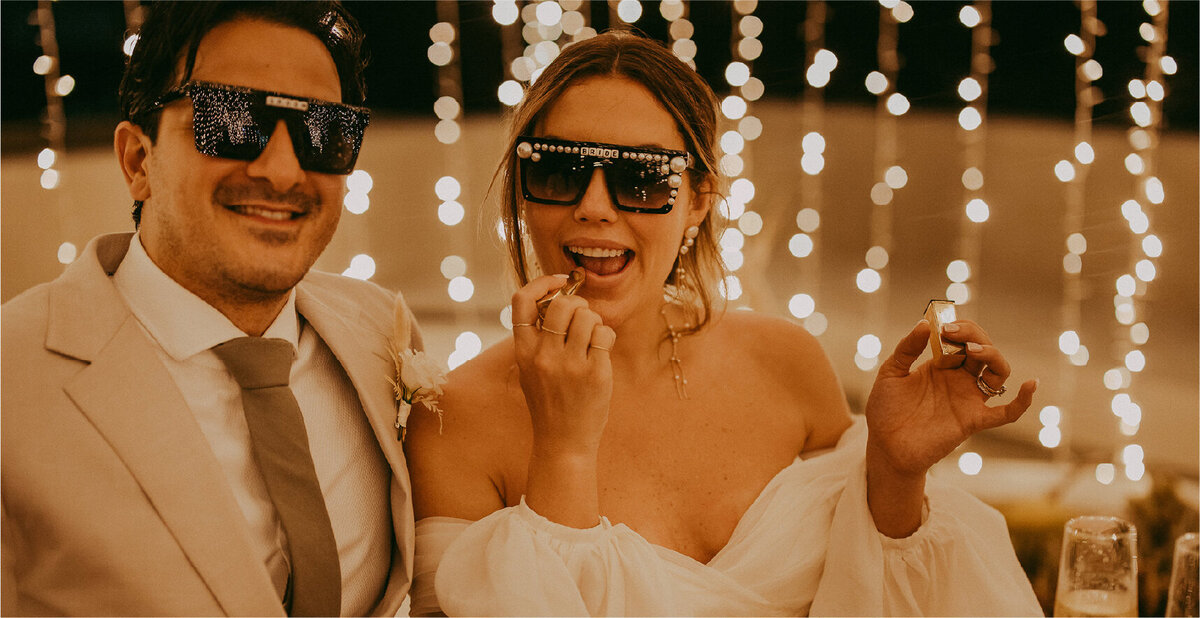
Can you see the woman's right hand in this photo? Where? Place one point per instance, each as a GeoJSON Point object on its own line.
{"type": "Point", "coordinates": [565, 370]}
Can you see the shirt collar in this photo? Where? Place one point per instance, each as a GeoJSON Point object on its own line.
{"type": "Point", "coordinates": [181, 322]}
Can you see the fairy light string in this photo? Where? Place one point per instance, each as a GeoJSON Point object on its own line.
{"type": "Point", "coordinates": [1074, 175]}
{"type": "Point", "coordinates": [445, 53]}
{"type": "Point", "coordinates": [972, 123]}
{"type": "Point", "coordinates": [735, 158]}
{"type": "Point", "coordinates": [1130, 303]}
{"type": "Point", "coordinates": [888, 174]}
{"type": "Point", "coordinates": [803, 243]}
{"type": "Point", "coordinates": [54, 126]}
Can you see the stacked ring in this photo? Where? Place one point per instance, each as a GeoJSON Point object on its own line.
{"type": "Point", "coordinates": [600, 347]}
{"type": "Point", "coordinates": [988, 391]}
{"type": "Point", "coordinates": [553, 332]}
{"type": "Point", "coordinates": [518, 325]}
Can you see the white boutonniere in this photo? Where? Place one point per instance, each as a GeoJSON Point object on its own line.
{"type": "Point", "coordinates": [418, 379]}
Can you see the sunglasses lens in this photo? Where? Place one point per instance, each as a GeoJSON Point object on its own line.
{"type": "Point", "coordinates": [234, 124]}
{"type": "Point", "coordinates": [638, 179]}
{"type": "Point", "coordinates": [556, 178]}
{"type": "Point", "coordinates": [224, 124]}
{"type": "Point", "coordinates": [331, 138]}
{"type": "Point", "coordinates": [639, 185]}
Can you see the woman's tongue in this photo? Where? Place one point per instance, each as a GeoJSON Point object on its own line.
{"type": "Point", "coordinates": [603, 265]}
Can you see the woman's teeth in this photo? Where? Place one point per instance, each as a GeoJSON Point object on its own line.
{"type": "Point", "coordinates": [600, 261]}
{"type": "Point", "coordinates": [596, 252]}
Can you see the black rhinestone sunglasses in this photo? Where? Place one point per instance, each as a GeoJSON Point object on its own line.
{"type": "Point", "coordinates": [234, 122]}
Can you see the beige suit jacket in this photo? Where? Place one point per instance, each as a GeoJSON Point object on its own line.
{"type": "Point", "coordinates": [113, 502]}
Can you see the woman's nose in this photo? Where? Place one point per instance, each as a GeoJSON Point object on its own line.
{"type": "Point", "coordinates": [596, 204]}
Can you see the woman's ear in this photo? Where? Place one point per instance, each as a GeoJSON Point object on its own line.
{"type": "Point", "coordinates": [702, 200]}
{"type": "Point", "coordinates": [132, 147]}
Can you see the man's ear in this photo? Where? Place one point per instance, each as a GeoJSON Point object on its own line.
{"type": "Point", "coordinates": [132, 147]}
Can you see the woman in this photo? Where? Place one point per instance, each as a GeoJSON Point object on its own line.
{"type": "Point", "coordinates": [633, 451]}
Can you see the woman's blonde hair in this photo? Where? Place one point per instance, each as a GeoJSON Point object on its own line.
{"type": "Point", "coordinates": [683, 94]}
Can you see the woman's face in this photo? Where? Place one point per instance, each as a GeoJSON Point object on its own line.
{"type": "Point", "coordinates": [628, 255]}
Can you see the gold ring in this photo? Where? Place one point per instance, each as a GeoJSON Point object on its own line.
{"type": "Point", "coordinates": [523, 324]}
{"type": "Point", "coordinates": [552, 332]}
{"type": "Point", "coordinates": [988, 391]}
{"type": "Point", "coordinates": [600, 347]}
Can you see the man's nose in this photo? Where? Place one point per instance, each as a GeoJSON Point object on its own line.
{"type": "Point", "coordinates": [278, 163]}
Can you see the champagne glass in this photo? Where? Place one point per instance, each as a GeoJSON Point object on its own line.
{"type": "Point", "coordinates": [1183, 598]}
{"type": "Point", "coordinates": [1098, 572]}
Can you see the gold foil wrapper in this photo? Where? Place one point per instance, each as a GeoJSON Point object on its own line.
{"type": "Point", "coordinates": [946, 354]}
{"type": "Point", "coordinates": [575, 280]}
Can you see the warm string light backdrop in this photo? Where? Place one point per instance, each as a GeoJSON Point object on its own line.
{"type": "Point", "coordinates": [1131, 332]}
{"type": "Point", "coordinates": [533, 33]}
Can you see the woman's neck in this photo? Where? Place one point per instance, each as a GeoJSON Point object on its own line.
{"type": "Point", "coordinates": [643, 343]}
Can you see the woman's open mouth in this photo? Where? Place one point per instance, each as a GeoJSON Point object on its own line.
{"type": "Point", "coordinates": [600, 262]}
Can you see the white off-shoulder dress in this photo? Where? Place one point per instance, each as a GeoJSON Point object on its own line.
{"type": "Point", "coordinates": [806, 546]}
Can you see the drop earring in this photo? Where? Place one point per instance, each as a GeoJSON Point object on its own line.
{"type": "Point", "coordinates": [689, 240]}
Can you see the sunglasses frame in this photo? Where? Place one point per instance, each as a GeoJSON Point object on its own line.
{"type": "Point", "coordinates": [670, 163]}
{"type": "Point", "coordinates": [279, 106]}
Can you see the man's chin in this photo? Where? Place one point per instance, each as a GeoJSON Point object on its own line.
{"type": "Point", "coordinates": [263, 285]}
{"type": "Point", "coordinates": [270, 285]}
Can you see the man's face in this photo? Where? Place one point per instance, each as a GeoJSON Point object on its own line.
{"type": "Point", "coordinates": [242, 232]}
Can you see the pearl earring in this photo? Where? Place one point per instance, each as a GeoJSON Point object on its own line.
{"type": "Point", "coordinates": [689, 240]}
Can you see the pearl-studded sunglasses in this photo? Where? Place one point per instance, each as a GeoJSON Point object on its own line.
{"type": "Point", "coordinates": [555, 171]}
{"type": "Point", "coordinates": [233, 122]}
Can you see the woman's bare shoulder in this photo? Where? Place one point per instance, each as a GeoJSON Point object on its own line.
{"type": "Point", "coordinates": [796, 361]}
{"type": "Point", "coordinates": [457, 456]}
{"type": "Point", "coordinates": [769, 340]}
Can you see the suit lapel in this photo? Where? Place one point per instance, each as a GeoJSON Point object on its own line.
{"type": "Point", "coordinates": [366, 361]}
{"type": "Point", "coordinates": [363, 354]}
{"type": "Point", "coordinates": [130, 398]}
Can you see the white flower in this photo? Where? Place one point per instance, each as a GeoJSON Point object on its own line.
{"type": "Point", "coordinates": [421, 374]}
{"type": "Point", "coordinates": [419, 379]}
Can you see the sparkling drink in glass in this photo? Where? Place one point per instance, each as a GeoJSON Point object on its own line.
{"type": "Point", "coordinates": [1183, 597]}
{"type": "Point", "coordinates": [1097, 575]}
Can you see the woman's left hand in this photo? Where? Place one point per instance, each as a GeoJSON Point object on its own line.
{"type": "Point", "coordinates": [917, 417]}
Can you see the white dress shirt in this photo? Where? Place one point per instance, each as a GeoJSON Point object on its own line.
{"type": "Point", "coordinates": [351, 469]}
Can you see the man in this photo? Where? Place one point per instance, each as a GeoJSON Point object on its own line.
{"type": "Point", "coordinates": [136, 478]}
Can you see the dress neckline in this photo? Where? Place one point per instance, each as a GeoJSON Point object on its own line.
{"type": "Point", "coordinates": [799, 461]}
{"type": "Point", "coordinates": [857, 425]}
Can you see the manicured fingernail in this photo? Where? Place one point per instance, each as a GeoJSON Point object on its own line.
{"type": "Point", "coordinates": [973, 347]}
{"type": "Point", "coordinates": [950, 328]}
{"type": "Point", "coordinates": [560, 275]}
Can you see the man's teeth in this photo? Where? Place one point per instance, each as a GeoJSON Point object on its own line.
{"type": "Point", "coordinates": [596, 252]}
{"type": "Point", "coordinates": [274, 215]}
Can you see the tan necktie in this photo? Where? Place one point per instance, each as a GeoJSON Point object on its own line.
{"type": "Point", "coordinates": [261, 367]}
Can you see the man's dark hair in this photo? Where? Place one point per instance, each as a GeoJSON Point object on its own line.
{"type": "Point", "coordinates": [173, 31]}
